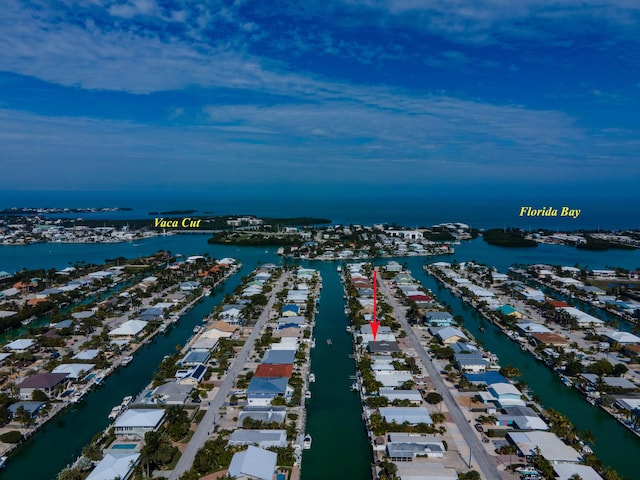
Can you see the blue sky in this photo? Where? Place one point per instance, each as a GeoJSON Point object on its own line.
{"type": "Point", "coordinates": [326, 96]}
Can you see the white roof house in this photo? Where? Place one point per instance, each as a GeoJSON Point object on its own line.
{"type": "Point", "coordinates": [624, 338]}
{"type": "Point", "coordinates": [566, 470]}
{"type": "Point", "coordinates": [583, 319]}
{"type": "Point", "coordinates": [129, 329]}
{"type": "Point", "coordinates": [115, 465]}
{"type": "Point", "coordinates": [75, 370]}
{"type": "Point", "coordinates": [412, 415]}
{"type": "Point", "coordinates": [137, 422]}
{"type": "Point", "coordinates": [254, 463]}
{"type": "Point", "coordinates": [551, 447]}
{"type": "Point", "coordinates": [20, 344]}
{"type": "Point", "coordinates": [261, 438]}
{"type": "Point", "coordinates": [86, 354]}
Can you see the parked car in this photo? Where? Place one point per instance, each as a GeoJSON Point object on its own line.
{"type": "Point", "coordinates": [479, 427]}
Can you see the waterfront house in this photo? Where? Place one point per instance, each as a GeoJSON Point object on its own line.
{"type": "Point", "coordinates": [438, 319]}
{"type": "Point", "coordinates": [391, 394]}
{"type": "Point", "coordinates": [502, 394]}
{"type": "Point", "coordinates": [529, 328]}
{"type": "Point", "coordinates": [191, 376]}
{"type": "Point", "coordinates": [74, 371]}
{"type": "Point", "coordinates": [612, 383]}
{"type": "Point", "coordinates": [265, 414]}
{"type": "Point", "coordinates": [189, 286]}
{"type": "Point", "coordinates": [115, 465]}
{"type": "Point", "coordinates": [21, 345]}
{"type": "Point", "coordinates": [521, 418]}
{"type": "Point", "coordinates": [274, 371]}
{"type": "Point", "coordinates": [471, 362]}
{"type": "Point", "coordinates": [32, 408]}
{"type": "Point", "coordinates": [262, 391]}
{"type": "Point", "coordinates": [485, 378]}
{"type": "Point", "coordinates": [383, 347]}
{"type": "Point", "coordinates": [411, 415]}
{"type": "Point", "coordinates": [279, 356]}
{"type": "Point", "coordinates": [232, 314]}
{"type": "Point", "coordinates": [447, 335]}
{"type": "Point", "coordinates": [567, 471]}
{"type": "Point", "coordinates": [425, 470]}
{"type": "Point", "coordinates": [253, 463]}
{"type": "Point", "coordinates": [622, 338]}
{"type": "Point", "coordinates": [86, 354]}
{"type": "Point", "coordinates": [170, 393]}
{"type": "Point", "coordinates": [403, 447]}
{"type": "Point", "coordinates": [136, 422]}
{"type": "Point", "coordinates": [582, 319]}
{"type": "Point", "coordinates": [511, 311]}
{"type": "Point", "coordinates": [550, 339]}
{"type": "Point", "coordinates": [393, 378]}
{"type": "Point", "coordinates": [47, 382]}
{"type": "Point", "coordinates": [551, 447]}
{"type": "Point", "coordinates": [195, 357]}
{"type": "Point", "coordinates": [260, 438]}
{"type": "Point", "coordinates": [291, 322]}
{"type": "Point", "coordinates": [290, 310]}
{"type": "Point", "coordinates": [128, 330]}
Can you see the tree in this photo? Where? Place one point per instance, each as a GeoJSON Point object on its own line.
{"type": "Point", "coordinates": [39, 396]}
{"type": "Point", "coordinates": [470, 475]}
{"type": "Point", "coordinates": [620, 369]}
{"type": "Point", "coordinates": [433, 398]}
{"type": "Point", "coordinates": [574, 367]}
{"type": "Point", "coordinates": [600, 367]}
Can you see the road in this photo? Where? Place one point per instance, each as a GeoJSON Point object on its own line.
{"type": "Point", "coordinates": [206, 426]}
{"type": "Point", "coordinates": [487, 466]}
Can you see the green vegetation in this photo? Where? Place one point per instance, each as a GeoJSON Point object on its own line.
{"type": "Point", "coordinates": [12, 436]}
{"type": "Point", "coordinates": [507, 238]}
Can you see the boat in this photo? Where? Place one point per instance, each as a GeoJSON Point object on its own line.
{"type": "Point", "coordinates": [162, 328]}
{"type": "Point", "coordinates": [339, 269]}
{"type": "Point", "coordinates": [313, 343]}
{"type": "Point", "coordinates": [197, 328]}
{"type": "Point", "coordinates": [115, 411]}
{"type": "Point", "coordinates": [125, 361]}
{"type": "Point", "coordinates": [329, 342]}
{"type": "Point", "coordinates": [312, 378]}
{"type": "Point", "coordinates": [307, 394]}
{"type": "Point", "coordinates": [306, 443]}
{"type": "Point", "coordinates": [3, 461]}
{"type": "Point", "coordinates": [349, 329]}
{"type": "Point", "coordinates": [126, 401]}
{"type": "Point", "coordinates": [354, 387]}
{"type": "Point", "coordinates": [527, 471]}
{"type": "Point", "coordinates": [99, 379]}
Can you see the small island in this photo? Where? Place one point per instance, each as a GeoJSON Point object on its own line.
{"type": "Point", "coordinates": [507, 238]}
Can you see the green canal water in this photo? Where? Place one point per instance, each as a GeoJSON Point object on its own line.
{"type": "Point", "coordinates": [340, 447]}
{"type": "Point", "coordinates": [614, 444]}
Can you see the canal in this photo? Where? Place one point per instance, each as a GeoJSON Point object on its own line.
{"type": "Point", "coordinates": [614, 444]}
{"type": "Point", "coordinates": [340, 447]}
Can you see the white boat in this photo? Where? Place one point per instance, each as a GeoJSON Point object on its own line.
{"type": "Point", "coordinates": [307, 394]}
{"type": "Point", "coordinates": [354, 387]}
{"type": "Point", "coordinates": [126, 401]}
{"type": "Point", "coordinates": [197, 328]}
{"type": "Point", "coordinates": [162, 328]}
{"type": "Point", "coordinates": [339, 269]}
{"type": "Point", "coordinates": [3, 462]}
{"type": "Point", "coordinates": [126, 360]}
{"type": "Point", "coordinates": [115, 411]}
{"type": "Point", "coordinates": [349, 329]}
{"type": "Point", "coordinates": [306, 443]}
{"type": "Point", "coordinates": [329, 342]}
{"type": "Point", "coordinates": [312, 378]}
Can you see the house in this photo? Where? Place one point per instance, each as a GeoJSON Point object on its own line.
{"type": "Point", "coordinates": [32, 408]}
{"type": "Point", "coordinates": [290, 310]}
{"type": "Point", "coordinates": [232, 314]}
{"type": "Point", "coordinates": [74, 370]}
{"type": "Point", "coordinates": [261, 438]}
{"type": "Point", "coordinates": [279, 356]}
{"type": "Point", "coordinates": [195, 357]}
{"type": "Point", "coordinates": [471, 362]}
{"type": "Point", "coordinates": [403, 447]}
{"type": "Point", "coordinates": [128, 330]}
{"type": "Point", "coordinates": [529, 328]}
{"type": "Point", "coordinates": [189, 286]}
{"type": "Point", "coordinates": [510, 311]}
{"type": "Point", "coordinates": [438, 319]}
{"type": "Point", "coordinates": [47, 382]}
{"type": "Point", "coordinates": [115, 465]}
{"type": "Point", "coordinates": [391, 394]}
{"type": "Point", "coordinates": [171, 393]}
{"type": "Point", "coordinates": [582, 319]}
{"type": "Point", "coordinates": [392, 378]}
{"type": "Point", "coordinates": [411, 415]}
{"type": "Point", "coordinates": [521, 418]}
{"type": "Point", "coordinates": [254, 463]}
{"type": "Point", "coordinates": [136, 422]}
{"type": "Point", "coordinates": [550, 339]}
{"type": "Point", "coordinates": [21, 345]}
{"type": "Point", "coordinates": [191, 376]}
{"type": "Point", "coordinates": [262, 391]}
{"type": "Point", "coordinates": [502, 394]}
{"type": "Point", "coordinates": [86, 354]}
{"type": "Point", "coordinates": [266, 414]}
{"type": "Point", "coordinates": [274, 371]}
{"type": "Point", "coordinates": [623, 338]}
{"type": "Point", "coordinates": [551, 447]}
{"type": "Point", "coordinates": [611, 382]}
{"type": "Point", "coordinates": [383, 347]}
{"type": "Point", "coordinates": [567, 471]}
{"type": "Point", "coordinates": [425, 470]}
{"type": "Point", "coordinates": [447, 335]}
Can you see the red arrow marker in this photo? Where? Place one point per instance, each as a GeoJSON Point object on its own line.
{"type": "Point", "coordinates": [374, 324]}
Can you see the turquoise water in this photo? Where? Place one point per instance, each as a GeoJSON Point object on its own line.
{"type": "Point", "coordinates": [124, 446]}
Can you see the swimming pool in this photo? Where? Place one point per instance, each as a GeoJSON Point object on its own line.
{"type": "Point", "coordinates": [124, 446]}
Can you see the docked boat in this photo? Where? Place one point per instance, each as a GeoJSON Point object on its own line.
{"type": "Point", "coordinates": [306, 443]}
{"type": "Point", "coordinates": [349, 329]}
{"type": "Point", "coordinates": [307, 394]}
{"type": "Point", "coordinates": [126, 401]}
{"type": "Point", "coordinates": [3, 462]}
{"type": "Point", "coordinates": [197, 328]}
{"type": "Point", "coordinates": [339, 269]}
{"type": "Point", "coordinates": [312, 377]}
{"type": "Point", "coordinates": [162, 328]}
{"type": "Point", "coordinates": [115, 411]}
{"type": "Point", "coordinates": [125, 361]}
{"type": "Point", "coordinates": [329, 342]}
{"type": "Point", "coordinates": [354, 387]}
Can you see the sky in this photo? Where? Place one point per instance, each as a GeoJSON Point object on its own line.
{"type": "Point", "coordinates": [455, 97]}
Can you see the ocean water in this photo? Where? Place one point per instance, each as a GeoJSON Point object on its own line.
{"type": "Point", "coordinates": [410, 208]}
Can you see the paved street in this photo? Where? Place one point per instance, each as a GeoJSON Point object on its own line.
{"type": "Point", "coordinates": [207, 424]}
{"type": "Point", "coordinates": [486, 464]}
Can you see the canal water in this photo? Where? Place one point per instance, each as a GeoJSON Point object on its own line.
{"type": "Point", "coordinates": [614, 444]}
{"type": "Point", "coordinates": [340, 447]}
